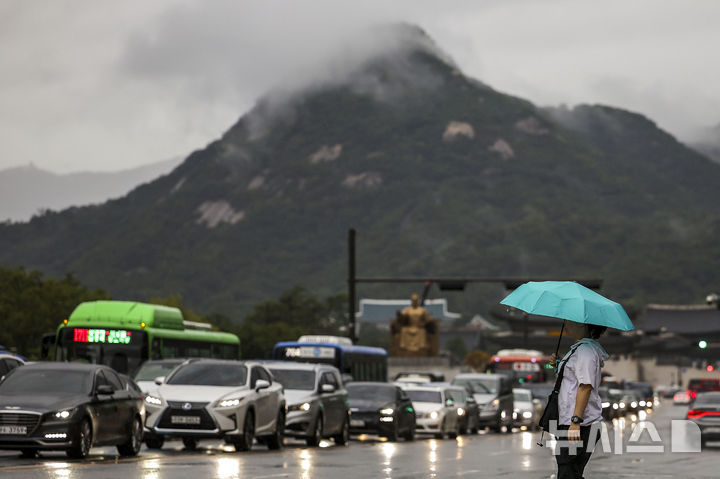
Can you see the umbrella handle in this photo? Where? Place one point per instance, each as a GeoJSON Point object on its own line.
{"type": "Point", "coordinates": [557, 349]}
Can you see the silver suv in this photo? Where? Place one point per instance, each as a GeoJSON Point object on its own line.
{"type": "Point", "coordinates": [213, 398]}
{"type": "Point", "coordinates": [318, 404]}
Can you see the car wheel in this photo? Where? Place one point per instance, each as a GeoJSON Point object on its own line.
{"type": "Point", "coordinates": [441, 434]}
{"type": "Point", "coordinates": [28, 453]}
{"type": "Point", "coordinates": [277, 440]}
{"type": "Point", "coordinates": [134, 443]}
{"type": "Point", "coordinates": [343, 437]}
{"type": "Point", "coordinates": [83, 441]}
{"type": "Point", "coordinates": [190, 443]}
{"type": "Point", "coordinates": [316, 437]}
{"type": "Point", "coordinates": [395, 433]}
{"type": "Point", "coordinates": [154, 442]}
{"type": "Point", "coordinates": [410, 434]}
{"type": "Point", "coordinates": [246, 441]}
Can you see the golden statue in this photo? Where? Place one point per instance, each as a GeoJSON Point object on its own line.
{"type": "Point", "coordinates": [413, 331]}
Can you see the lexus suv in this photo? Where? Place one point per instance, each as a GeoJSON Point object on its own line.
{"type": "Point", "coordinates": [212, 398]}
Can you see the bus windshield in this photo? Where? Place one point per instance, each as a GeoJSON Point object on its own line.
{"type": "Point", "coordinates": [122, 350]}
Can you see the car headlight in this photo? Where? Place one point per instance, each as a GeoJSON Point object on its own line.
{"type": "Point", "coordinates": [299, 407]}
{"type": "Point", "coordinates": [622, 405]}
{"type": "Point", "coordinates": [460, 411]}
{"type": "Point", "coordinates": [642, 403]}
{"type": "Point", "coordinates": [153, 401]}
{"type": "Point", "coordinates": [615, 406]}
{"type": "Point", "coordinates": [434, 415]}
{"type": "Point", "coordinates": [527, 414]}
{"type": "Point", "coordinates": [229, 402]}
{"type": "Point", "coordinates": [63, 414]}
{"type": "Point", "coordinates": [605, 404]}
{"type": "Point", "coordinates": [388, 411]}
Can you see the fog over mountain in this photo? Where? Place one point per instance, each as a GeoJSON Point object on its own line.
{"type": "Point", "coordinates": [28, 190]}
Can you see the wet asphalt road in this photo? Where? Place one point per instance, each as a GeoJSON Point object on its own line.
{"type": "Point", "coordinates": [513, 455]}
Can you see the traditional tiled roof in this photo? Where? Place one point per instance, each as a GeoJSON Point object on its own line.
{"type": "Point", "coordinates": [383, 310]}
{"type": "Point", "coordinates": [682, 319]}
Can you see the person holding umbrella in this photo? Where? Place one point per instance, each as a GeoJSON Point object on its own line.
{"type": "Point", "coordinates": [588, 316]}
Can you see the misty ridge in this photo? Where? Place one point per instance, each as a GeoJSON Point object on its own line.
{"type": "Point", "coordinates": [26, 191]}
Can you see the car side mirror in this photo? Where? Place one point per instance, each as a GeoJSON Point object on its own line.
{"type": "Point", "coordinates": [105, 390]}
{"type": "Point", "coordinates": [159, 380]}
{"type": "Point", "coordinates": [537, 402]}
{"type": "Point", "coordinates": [261, 384]}
{"type": "Point", "coordinates": [327, 388]}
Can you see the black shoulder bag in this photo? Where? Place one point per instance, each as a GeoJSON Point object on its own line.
{"type": "Point", "coordinates": [552, 410]}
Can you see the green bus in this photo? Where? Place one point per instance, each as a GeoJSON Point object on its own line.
{"type": "Point", "coordinates": [124, 334]}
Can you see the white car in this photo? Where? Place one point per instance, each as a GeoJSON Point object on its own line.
{"type": "Point", "coordinates": [524, 410]}
{"type": "Point", "coordinates": [212, 398]}
{"type": "Point", "coordinates": [435, 411]}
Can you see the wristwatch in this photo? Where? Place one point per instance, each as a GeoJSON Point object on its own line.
{"type": "Point", "coordinates": [576, 420]}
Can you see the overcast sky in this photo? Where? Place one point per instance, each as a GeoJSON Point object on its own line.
{"type": "Point", "coordinates": [108, 85]}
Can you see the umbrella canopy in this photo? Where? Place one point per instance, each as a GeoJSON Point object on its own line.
{"type": "Point", "coordinates": [568, 300]}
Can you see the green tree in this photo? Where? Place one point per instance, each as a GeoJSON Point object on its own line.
{"type": "Point", "coordinates": [295, 313]}
{"type": "Point", "coordinates": [31, 306]}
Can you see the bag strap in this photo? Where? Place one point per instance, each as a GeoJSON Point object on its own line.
{"type": "Point", "coordinates": [561, 373]}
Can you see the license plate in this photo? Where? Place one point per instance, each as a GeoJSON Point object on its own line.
{"type": "Point", "coordinates": [357, 423]}
{"type": "Point", "coordinates": [13, 429]}
{"type": "Point", "coordinates": [713, 430]}
{"type": "Point", "coordinates": [185, 419]}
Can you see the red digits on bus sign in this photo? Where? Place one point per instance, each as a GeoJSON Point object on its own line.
{"type": "Point", "coordinates": [81, 335]}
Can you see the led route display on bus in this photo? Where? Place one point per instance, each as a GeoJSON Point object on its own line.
{"type": "Point", "coordinates": [110, 336]}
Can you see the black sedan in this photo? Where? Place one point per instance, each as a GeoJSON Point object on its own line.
{"type": "Point", "coordinates": [70, 407]}
{"type": "Point", "coordinates": [382, 409]}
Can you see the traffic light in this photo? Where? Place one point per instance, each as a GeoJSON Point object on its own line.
{"type": "Point", "coordinates": [702, 344]}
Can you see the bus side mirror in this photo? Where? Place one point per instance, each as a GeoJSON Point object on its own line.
{"type": "Point", "coordinates": [159, 380]}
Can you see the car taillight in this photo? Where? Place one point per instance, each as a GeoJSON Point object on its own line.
{"type": "Point", "coordinates": [697, 413]}
{"type": "Point", "coordinates": [692, 394]}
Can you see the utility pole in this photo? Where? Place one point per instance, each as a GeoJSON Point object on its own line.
{"type": "Point", "coordinates": [351, 285]}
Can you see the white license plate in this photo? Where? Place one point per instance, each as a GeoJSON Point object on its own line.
{"type": "Point", "coordinates": [357, 423]}
{"type": "Point", "coordinates": [13, 429]}
{"type": "Point", "coordinates": [185, 419]}
{"type": "Point", "coordinates": [713, 430]}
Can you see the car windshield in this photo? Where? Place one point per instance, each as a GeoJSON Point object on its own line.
{"type": "Point", "coordinates": [522, 396]}
{"type": "Point", "coordinates": [374, 392]}
{"type": "Point", "coordinates": [209, 374]}
{"type": "Point", "coordinates": [421, 395]}
{"type": "Point", "coordinates": [30, 382]}
{"type": "Point", "coordinates": [295, 378]}
{"type": "Point", "coordinates": [479, 385]}
{"type": "Point", "coordinates": [151, 370]}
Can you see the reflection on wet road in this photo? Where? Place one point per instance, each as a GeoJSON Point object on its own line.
{"type": "Point", "coordinates": [487, 454]}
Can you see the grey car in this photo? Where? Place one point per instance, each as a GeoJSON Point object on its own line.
{"type": "Point", "coordinates": [705, 412]}
{"type": "Point", "coordinates": [318, 405]}
{"type": "Point", "coordinates": [493, 393]}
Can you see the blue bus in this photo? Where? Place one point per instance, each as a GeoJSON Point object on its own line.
{"type": "Point", "coordinates": [362, 363]}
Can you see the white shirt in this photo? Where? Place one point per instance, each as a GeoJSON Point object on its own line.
{"type": "Point", "coordinates": [583, 367]}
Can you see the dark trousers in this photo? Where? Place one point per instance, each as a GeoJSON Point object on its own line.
{"type": "Point", "coordinates": [571, 466]}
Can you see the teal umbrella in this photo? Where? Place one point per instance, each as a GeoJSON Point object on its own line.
{"type": "Point", "coordinates": [568, 300]}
